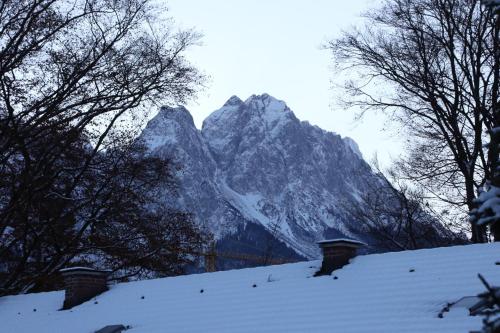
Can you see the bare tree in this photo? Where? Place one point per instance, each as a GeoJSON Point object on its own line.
{"type": "Point", "coordinates": [398, 217]}
{"type": "Point", "coordinates": [488, 202]}
{"type": "Point", "coordinates": [72, 183]}
{"type": "Point", "coordinates": [434, 60]}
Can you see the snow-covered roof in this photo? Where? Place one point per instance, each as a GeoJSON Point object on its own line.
{"type": "Point", "coordinates": [391, 292]}
{"type": "Point", "coordinates": [340, 241]}
{"type": "Point", "coordinates": [82, 268]}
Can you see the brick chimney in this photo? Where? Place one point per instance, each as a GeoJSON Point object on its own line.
{"type": "Point", "coordinates": [81, 284]}
{"type": "Point", "coordinates": [337, 253]}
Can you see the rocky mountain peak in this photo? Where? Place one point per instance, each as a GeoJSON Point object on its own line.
{"type": "Point", "coordinates": [168, 126]}
{"type": "Point", "coordinates": [262, 106]}
{"type": "Point", "coordinates": [179, 114]}
{"type": "Point", "coordinates": [255, 119]}
{"type": "Point", "coordinates": [233, 101]}
{"type": "Point", "coordinates": [269, 109]}
{"type": "Point", "coordinates": [255, 166]}
{"type": "Point", "coordinates": [265, 101]}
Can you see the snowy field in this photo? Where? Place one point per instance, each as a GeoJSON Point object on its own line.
{"type": "Point", "coordinates": [392, 292]}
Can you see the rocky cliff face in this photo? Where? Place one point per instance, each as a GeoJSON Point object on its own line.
{"type": "Point", "coordinates": [254, 164]}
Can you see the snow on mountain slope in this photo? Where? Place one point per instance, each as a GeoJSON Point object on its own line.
{"type": "Point", "coordinates": [173, 135]}
{"type": "Point", "coordinates": [390, 292]}
{"type": "Point", "coordinates": [254, 162]}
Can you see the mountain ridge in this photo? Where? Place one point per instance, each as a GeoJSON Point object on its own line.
{"type": "Point", "coordinates": [255, 162]}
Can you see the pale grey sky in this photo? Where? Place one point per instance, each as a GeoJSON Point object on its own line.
{"type": "Point", "coordinates": [274, 46]}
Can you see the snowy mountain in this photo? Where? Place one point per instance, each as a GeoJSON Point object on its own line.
{"type": "Point", "coordinates": [256, 172]}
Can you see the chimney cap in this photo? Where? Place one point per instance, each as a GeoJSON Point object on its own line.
{"type": "Point", "coordinates": [341, 242]}
{"type": "Point", "coordinates": [83, 270]}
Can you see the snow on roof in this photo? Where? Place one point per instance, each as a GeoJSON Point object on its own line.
{"type": "Point", "coordinates": [341, 240]}
{"type": "Point", "coordinates": [391, 292]}
{"type": "Point", "coordinates": [82, 268]}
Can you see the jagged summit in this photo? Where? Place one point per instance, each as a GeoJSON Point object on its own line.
{"type": "Point", "coordinates": [266, 102]}
{"type": "Point", "coordinates": [271, 108]}
{"type": "Point", "coordinates": [263, 102]}
{"type": "Point", "coordinates": [167, 127]}
{"type": "Point", "coordinates": [178, 113]}
{"type": "Point", "coordinates": [261, 110]}
{"type": "Point", "coordinates": [233, 100]}
{"type": "Point", "coordinates": [265, 97]}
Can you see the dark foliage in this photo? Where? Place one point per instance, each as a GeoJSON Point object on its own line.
{"type": "Point", "coordinates": [74, 187]}
{"type": "Point", "coordinates": [488, 307]}
{"type": "Point", "coordinates": [396, 217]}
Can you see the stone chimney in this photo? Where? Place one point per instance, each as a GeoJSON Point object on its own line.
{"type": "Point", "coordinates": [337, 253]}
{"type": "Point", "coordinates": [81, 284]}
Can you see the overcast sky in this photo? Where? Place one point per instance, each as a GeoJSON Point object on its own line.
{"type": "Point", "coordinates": [274, 46]}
